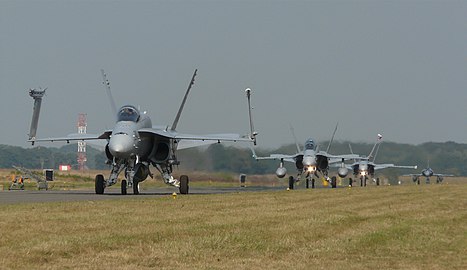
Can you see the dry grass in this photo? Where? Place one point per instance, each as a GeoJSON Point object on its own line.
{"type": "Point", "coordinates": [403, 227]}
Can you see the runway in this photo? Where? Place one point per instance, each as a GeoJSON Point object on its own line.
{"type": "Point", "coordinates": [40, 196]}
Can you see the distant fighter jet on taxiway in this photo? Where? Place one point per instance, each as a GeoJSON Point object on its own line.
{"type": "Point", "coordinates": [427, 173]}
{"type": "Point", "coordinates": [310, 162]}
{"type": "Point", "coordinates": [365, 167]}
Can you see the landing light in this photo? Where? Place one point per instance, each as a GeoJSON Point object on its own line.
{"type": "Point", "coordinates": [312, 169]}
{"type": "Point", "coordinates": [363, 173]}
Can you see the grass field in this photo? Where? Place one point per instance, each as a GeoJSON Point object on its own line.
{"type": "Point", "coordinates": [386, 227]}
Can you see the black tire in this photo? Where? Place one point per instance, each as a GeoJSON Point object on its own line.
{"type": "Point", "coordinates": [361, 181]}
{"type": "Point", "coordinates": [99, 184]}
{"type": "Point", "coordinates": [377, 181]}
{"type": "Point", "coordinates": [307, 183]}
{"type": "Point", "coordinates": [350, 182]}
{"type": "Point", "coordinates": [333, 182]}
{"type": "Point", "coordinates": [123, 185]}
{"type": "Point", "coordinates": [184, 187]}
{"type": "Point", "coordinates": [291, 182]}
{"type": "Point", "coordinates": [418, 181]}
{"type": "Point", "coordinates": [135, 187]}
{"type": "Point", "coordinates": [313, 183]}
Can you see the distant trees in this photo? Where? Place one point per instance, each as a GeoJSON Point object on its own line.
{"type": "Point", "coordinates": [448, 157]}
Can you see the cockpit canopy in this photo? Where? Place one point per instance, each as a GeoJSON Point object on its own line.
{"type": "Point", "coordinates": [310, 144]}
{"type": "Point", "coordinates": [128, 113]}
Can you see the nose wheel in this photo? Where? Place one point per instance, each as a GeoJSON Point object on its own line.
{"type": "Point", "coordinates": [291, 182]}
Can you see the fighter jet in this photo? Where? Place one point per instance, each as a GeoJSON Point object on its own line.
{"type": "Point", "coordinates": [365, 167]}
{"type": "Point", "coordinates": [309, 162]}
{"type": "Point", "coordinates": [427, 173]}
{"type": "Point", "coordinates": [134, 144]}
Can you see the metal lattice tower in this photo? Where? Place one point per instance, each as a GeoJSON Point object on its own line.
{"type": "Point", "coordinates": [82, 144]}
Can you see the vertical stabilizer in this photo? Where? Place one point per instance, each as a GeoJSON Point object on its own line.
{"type": "Point", "coordinates": [294, 137]}
{"type": "Point", "coordinates": [332, 138]}
{"type": "Point", "coordinates": [106, 84]}
{"type": "Point", "coordinates": [375, 149]}
{"type": "Point", "coordinates": [37, 96]}
{"type": "Point", "coordinates": [351, 152]}
{"type": "Point", "coordinates": [175, 123]}
{"type": "Point", "coordinates": [253, 133]}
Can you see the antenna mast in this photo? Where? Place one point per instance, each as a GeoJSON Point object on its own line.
{"type": "Point", "coordinates": [82, 124]}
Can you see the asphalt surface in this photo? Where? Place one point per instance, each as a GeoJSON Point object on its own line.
{"type": "Point", "coordinates": [38, 196]}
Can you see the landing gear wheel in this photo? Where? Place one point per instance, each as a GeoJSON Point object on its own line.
{"type": "Point", "coordinates": [350, 182]}
{"type": "Point", "coordinates": [291, 182]}
{"type": "Point", "coordinates": [135, 187]}
{"type": "Point", "coordinates": [184, 184]}
{"type": "Point", "coordinates": [307, 183]}
{"type": "Point", "coordinates": [124, 187]}
{"type": "Point", "coordinates": [333, 182]}
{"type": "Point", "coordinates": [377, 181]}
{"type": "Point", "coordinates": [99, 184]}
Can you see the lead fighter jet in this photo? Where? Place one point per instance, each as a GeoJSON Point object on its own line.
{"type": "Point", "coordinates": [134, 144]}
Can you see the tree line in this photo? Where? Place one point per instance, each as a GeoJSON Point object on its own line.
{"type": "Point", "coordinates": [447, 157]}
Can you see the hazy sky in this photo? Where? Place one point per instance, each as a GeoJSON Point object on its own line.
{"type": "Point", "coordinates": [393, 67]}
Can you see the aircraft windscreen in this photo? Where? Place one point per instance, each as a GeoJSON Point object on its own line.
{"type": "Point", "coordinates": [309, 144]}
{"type": "Point", "coordinates": [128, 114]}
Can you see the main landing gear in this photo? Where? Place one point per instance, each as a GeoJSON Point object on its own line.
{"type": "Point", "coordinates": [100, 185]}
{"type": "Point", "coordinates": [184, 181]}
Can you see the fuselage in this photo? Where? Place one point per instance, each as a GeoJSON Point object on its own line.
{"type": "Point", "coordinates": [427, 172]}
{"type": "Point", "coordinates": [309, 157]}
{"type": "Point", "coordinates": [363, 168]}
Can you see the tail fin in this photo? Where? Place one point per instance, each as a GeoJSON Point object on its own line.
{"type": "Point", "coordinates": [253, 133]}
{"type": "Point", "coordinates": [332, 138]}
{"type": "Point", "coordinates": [295, 138]}
{"type": "Point", "coordinates": [106, 84]}
{"type": "Point", "coordinates": [175, 123]}
{"type": "Point", "coordinates": [351, 152]}
{"type": "Point", "coordinates": [37, 96]}
{"type": "Point", "coordinates": [375, 149]}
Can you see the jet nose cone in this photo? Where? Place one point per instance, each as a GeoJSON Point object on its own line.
{"type": "Point", "coordinates": [121, 146]}
{"type": "Point", "coordinates": [309, 161]}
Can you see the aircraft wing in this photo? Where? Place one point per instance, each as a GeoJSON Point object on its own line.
{"type": "Point", "coordinates": [190, 140]}
{"type": "Point", "coordinates": [184, 144]}
{"type": "Point", "coordinates": [73, 137]}
{"type": "Point", "coordinates": [413, 174]}
{"type": "Point", "coordinates": [227, 137]}
{"type": "Point", "coordinates": [288, 158]}
{"type": "Point", "coordinates": [187, 141]}
{"type": "Point", "coordinates": [338, 158]}
{"type": "Point", "coordinates": [440, 174]}
{"type": "Point", "coordinates": [384, 166]}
